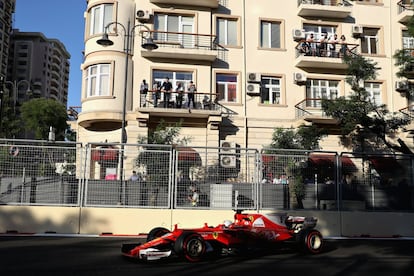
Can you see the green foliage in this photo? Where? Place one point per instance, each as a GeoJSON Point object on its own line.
{"type": "Point", "coordinates": [156, 159]}
{"type": "Point", "coordinates": [363, 123]}
{"type": "Point", "coordinates": [40, 114]}
{"type": "Point", "coordinates": [164, 135]}
{"type": "Point", "coordinates": [304, 137]}
{"type": "Point", "coordinates": [10, 123]}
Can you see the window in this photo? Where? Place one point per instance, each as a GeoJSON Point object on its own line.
{"type": "Point", "coordinates": [374, 89]}
{"type": "Point", "coordinates": [271, 89]}
{"type": "Point", "coordinates": [100, 17]}
{"type": "Point", "coordinates": [269, 34]}
{"type": "Point", "coordinates": [407, 40]}
{"type": "Point", "coordinates": [171, 27]}
{"type": "Point", "coordinates": [175, 77]}
{"type": "Point", "coordinates": [226, 87]}
{"type": "Point", "coordinates": [321, 89]}
{"type": "Point", "coordinates": [369, 41]}
{"type": "Point", "coordinates": [97, 80]}
{"type": "Point", "coordinates": [319, 30]}
{"type": "Point", "coordinates": [227, 31]}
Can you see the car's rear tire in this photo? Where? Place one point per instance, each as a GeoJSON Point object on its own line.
{"type": "Point", "coordinates": [156, 233]}
{"type": "Point", "coordinates": [191, 246]}
{"type": "Point", "coordinates": [311, 241]}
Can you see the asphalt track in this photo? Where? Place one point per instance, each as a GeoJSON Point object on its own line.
{"type": "Point", "coordinates": [55, 255]}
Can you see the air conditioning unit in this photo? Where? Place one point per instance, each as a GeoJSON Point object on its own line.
{"type": "Point", "coordinates": [357, 30]}
{"type": "Point", "coordinates": [253, 77]}
{"type": "Point", "coordinates": [299, 78]}
{"type": "Point", "coordinates": [143, 16]}
{"type": "Point", "coordinates": [253, 88]}
{"type": "Point", "coordinates": [298, 34]}
{"type": "Point", "coordinates": [401, 86]}
{"type": "Point", "coordinates": [227, 147]}
{"type": "Point", "coordinates": [228, 161]}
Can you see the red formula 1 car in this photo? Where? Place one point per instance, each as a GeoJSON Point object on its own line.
{"type": "Point", "coordinates": [245, 232]}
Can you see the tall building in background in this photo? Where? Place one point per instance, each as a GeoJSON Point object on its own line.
{"type": "Point", "coordinates": [246, 60]}
{"type": "Point", "coordinates": [40, 63]}
{"type": "Point", "coordinates": [6, 11]}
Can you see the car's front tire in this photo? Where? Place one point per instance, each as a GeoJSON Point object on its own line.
{"type": "Point", "coordinates": [191, 246]}
{"type": "Point", "coordinates": [156, 233]}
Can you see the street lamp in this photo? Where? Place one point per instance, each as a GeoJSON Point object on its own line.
{"type": "Point", "coordinates": [128, 43]}
{"type": "Point", "coordinates": [15, 85]}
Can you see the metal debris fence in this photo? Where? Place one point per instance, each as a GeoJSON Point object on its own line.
{"type": "Point", "coordinates": [184, 177]}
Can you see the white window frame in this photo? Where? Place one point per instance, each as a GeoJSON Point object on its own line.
{"type": "Point", "coordinates": [319, 30]}
{"type": "Point", "coordinates": [374, 90]}
{"type": "Point", "coordinates": [321, 89]}
{"type": "Point", "coordinates": [407, 40]}
{"type": "Point", "coordinates": [226, 33]}
{"type": "Point", "coordinates": [266, 38]}
{"type": "Point", "coordinates": [98, 84]}
{"type": "Point", "coordinates": [225, 96]}
{"type": "Point", "coordinates": [185, 24]}
{"type": "Point", "coordinates": [97, 25]}
{"type": "Point", "coordinates": [273, 91]}
{"type": "Point", "coordinates": [369, 40]}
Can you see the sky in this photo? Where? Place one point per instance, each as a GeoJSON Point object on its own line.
{"type": "Point", "coordinates": [62, 20]}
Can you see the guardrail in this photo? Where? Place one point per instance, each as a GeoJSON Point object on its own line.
{"type": "Point", "coordinates": [39, 173]}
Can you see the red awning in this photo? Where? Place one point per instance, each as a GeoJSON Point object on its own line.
{"type": "Point", "coordinates": [329, 160]}
{"type": "Point", "coordinates": [188, 154]}
{"type": "Point", "coordinates": [384, 163]}
{"type": "Point", "coordinates": [268, 158]}
{"type": "Point", "coordinates": [105, 153]}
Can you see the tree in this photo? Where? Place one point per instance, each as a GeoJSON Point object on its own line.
{"type": "Point", "coordinates": [38, 115]}
{"type": "Point", "coordinates": [10, 124]}
{"type": "Point", "coordinates": [155, 158]}
{"type": "Point", "coordinates": [302, 138]}
{"type": "Point", "coordinates": [364, 124]}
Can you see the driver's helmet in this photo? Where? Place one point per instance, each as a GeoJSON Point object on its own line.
{"type": "Point", "coordinates": [227, 223]}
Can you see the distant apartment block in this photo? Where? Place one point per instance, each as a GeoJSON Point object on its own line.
{"type": "Point", "coordinates": [40, 61]}
{"type": "Point", "coordinates": [6, 11]}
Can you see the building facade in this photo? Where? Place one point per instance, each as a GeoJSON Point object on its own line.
{"type": "Point", "coordinates": [7, 8]}
{"type": "Point", "coordinates": [245, 58]}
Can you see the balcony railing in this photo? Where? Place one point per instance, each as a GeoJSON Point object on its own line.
{"type": "Point", "coordinates": [310, 109]}
{"type": "Point", "coordinates": [179, 45]}
{"type": "Point", "coordinates": [323, 55]}
{"type": "Point", "coordinates": [325, 8]}
{"type": "Point", "coordinates": [405, 11]}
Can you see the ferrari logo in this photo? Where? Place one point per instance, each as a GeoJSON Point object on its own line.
{"type": "Point", "coordinates": [215, 235]}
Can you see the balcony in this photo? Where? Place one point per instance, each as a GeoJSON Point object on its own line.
{"type": "Point", "coordinates": [310, 110]}
{"type": "Point", "coordinates": [184, 46]}
{"type": "Point", "coordinates": [199, 3]}
{"type": "Point", "coordinates": [316, 57]}
{"type": "Point", "coordinates": [405, 11]}
{"type": "Point", "coordinates": [324, 8]}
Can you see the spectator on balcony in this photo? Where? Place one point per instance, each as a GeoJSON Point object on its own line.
{"type": "Point", "coordinates": [344, 46]}
{"type": "Point", "coordinates": [333, 41]}
{"type": "Point", "coordinates": [323, 45]}
{"type": "Point", "coordinates": [156, 92]}
{"type": "Point", "coordinates": [312, 43]}
{"type": "Point", "coordinates": [191, 90]}
{"type": "Point", "coordinates": [143, 90]}
{"type": "Point", "coordinates": [166, 89]}
{"type": "Point", "coordinates": [180, 95]}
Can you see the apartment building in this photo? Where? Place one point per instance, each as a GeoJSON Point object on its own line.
{"type": "Point", "coordinates": [6, 11]}
{"type": "Point", "coordinates": [38, 64]}
{"type": "Point", "coordinates": [245, 59]}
